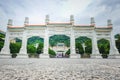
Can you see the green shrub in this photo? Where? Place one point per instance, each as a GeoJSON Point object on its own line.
{"type": "Point", "coordinates": [51, 52]}
{"type": "Point", "coordinates": [31, 50]}
{"type": "Point", "coordinates": [40, 48]}
{"type": "Point", "coordinates": [15, 48]}
{"type": "Point", "coordinates": [1, 45]}
{"type": "Point", "coordinates": [68, 52]}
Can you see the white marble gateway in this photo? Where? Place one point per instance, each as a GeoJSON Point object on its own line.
{"type": "Point", "coordinates": [69, 29]}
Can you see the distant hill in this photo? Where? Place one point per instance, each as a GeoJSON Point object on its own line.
{"type": "Point", "coordinates": [34, 40]}
{"type": "Point", "coordinates": [2, 32]}
{"type": "Point", "coordinates": [53, 40]}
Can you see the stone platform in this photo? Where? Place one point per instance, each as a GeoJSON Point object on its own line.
{"type": "Point", "coordinates": [59, 69]}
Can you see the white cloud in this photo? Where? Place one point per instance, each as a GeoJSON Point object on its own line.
{"type": "Point", "coordinates": [59, 10]}
{"type": "Point", "coordinates": [3, 20]}
{"type": "Point", "coordinates": [74, 7]}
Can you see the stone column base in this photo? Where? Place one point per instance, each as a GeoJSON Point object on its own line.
{"type": "Point", "coordinates": [114, 56]}
{"type": "Point", "coordinates": [75, 56]}
{"type": "Point", "coordinates": [96, 56]}
{"type": "Point", "coordinates": [20, 56]}
{"type": "Point", "coordinates": [44, 56]}
{"type": "Point", "coordinates": [5, 56]}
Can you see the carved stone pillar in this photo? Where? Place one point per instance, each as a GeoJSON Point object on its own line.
{"type": "Point", "coordinates": [46, 45]}
{"type": "Point", "coordinates": [72, 45]}
{"type": "Point", "coordinates": [5, 52]}
{"type": "Point", "coordinates": [113, 50]}
{"type": "Point", "coordinates": [23, 49]}
{"type": "Point", "coordinates": [95, 50]}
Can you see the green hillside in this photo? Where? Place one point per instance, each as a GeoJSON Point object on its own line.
{"type": "Point", "coordinates": [59, 39]}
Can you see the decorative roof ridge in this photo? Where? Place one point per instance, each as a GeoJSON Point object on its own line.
{"type": "Point", "coordinates": [59, 23]}
{"type": "Point", "coordinates": [83, 25]}
{"type": "Point", "coordinates": [15, 26]}
{"type": "Point", "coordinates": [35, 25]}
{"type": "Point", "coordinates": [104, 27]}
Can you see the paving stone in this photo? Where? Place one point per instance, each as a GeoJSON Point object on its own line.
{"type": "Point", "coordinates": [59, 69]}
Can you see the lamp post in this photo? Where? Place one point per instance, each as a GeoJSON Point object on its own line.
{"type": "Point", "coordinates": [77, 50]}
{"type": "Point", "coordinates": [36, 45]}
{"type": "Point", "coordinates": [83, 44]}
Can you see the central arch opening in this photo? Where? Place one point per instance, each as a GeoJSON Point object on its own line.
{"type": "Point", "coordinates": [59, 46]}
{"type": "Point", "coordinates": [35, 46]}
{"type": "Point", "coordinates": [83, 46]}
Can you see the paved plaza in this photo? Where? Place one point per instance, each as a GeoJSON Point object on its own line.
{"type": "Point", "coordinates": [59, 69]}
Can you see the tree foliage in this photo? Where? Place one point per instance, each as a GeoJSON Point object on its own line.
{"type": "Point", "coordinates": [88, 45]}
{"type": "Point", "coordinates": [15, 48]}
{"type": "Point", "coordinates": [51, 52]}
{"type": "Point", "coordinates": [80, 48]}
{"type": "Point", "coordinates": [68, 52]}
{"type": "Point", "coordinates": [1, 40]}
{"type": "Point", "coordinates": [117, 36]}
{"type": "Point", "coordinates": [40, 48]}
{"type": "Point", "coordinates": [31, 49]}
{"type": "Point", "coordinates": [1, 44]}
{"type": "Point", "coordinates": [34, 40]}
{"type": "Point", "coordinates": [104, 47]}
{"type": "Point", "coordinates": [2, 35]}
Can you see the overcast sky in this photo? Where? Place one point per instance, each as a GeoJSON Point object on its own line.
{"type": "Point", "coordinates": [59, 11]}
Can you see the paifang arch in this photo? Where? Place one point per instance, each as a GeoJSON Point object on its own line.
{"type": "Point", "coordinates": [68, 29]}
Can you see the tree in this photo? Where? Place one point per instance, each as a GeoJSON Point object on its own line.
{"type": "Point", "coordinates": [2, 35]}
{"type": "Point", "coordinates": [1, 40]}
{"type": "Point", "coordinates": [40, 48]}
{"type": "Point", "coordinates": [68, 52]}
{"type": "Point", "coordinates": [31, 50]}
{"type": "Point", "coordinates": [87, 42]}
{"type": "Point", "coordinates": [117, 36]}
{"type": "Point", "coordinates": [104, 47]}
{"type": "Point", "coordinates": [1, 45]}
{"type": "Point", "coordinates": [88, 48]}
{"type": "Point", "coordinates": [15, 48]}
{"type": "Point", "coordinates": [52, 53]}
{"type": "Point", "coordinates": [79, 47]}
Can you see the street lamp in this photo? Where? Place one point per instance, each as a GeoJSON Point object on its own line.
{"type": "Point", "coordinates": [83, 44]}
{"type": "Point", "coordinates": [36, 45]}
{"type": "Point", "coordinates": [77, 50]}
